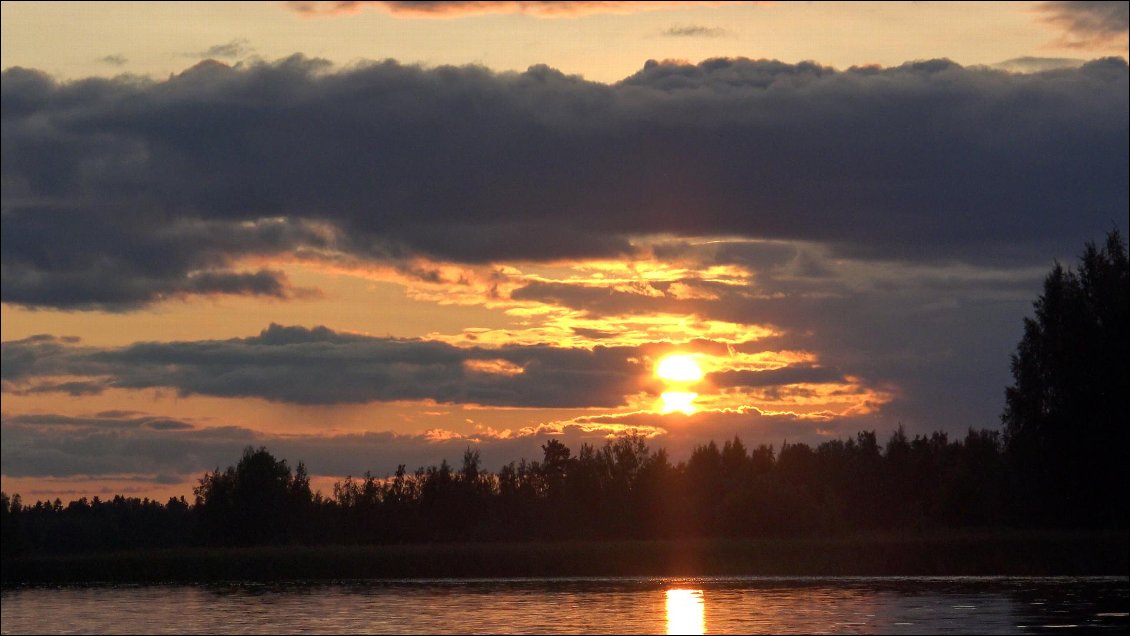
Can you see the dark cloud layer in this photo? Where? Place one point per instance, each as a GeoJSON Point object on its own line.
{"type": "Point", "coordinates": [116, 444]}
{"type": "Point", "coordinates": [776, 377]}
{"type": "Point", "coordinates": [1029, 64]}
{"type": "Point", "coordinates": [120, 192]}
{"type": "Point", "coordinates": [108, 444]}
{"type": "Point", "coordinates": [320, 366]}
{"type": "Point", "coordinates": [1089, 24]}
{"type": "Point", "coordinates": [101, 256]}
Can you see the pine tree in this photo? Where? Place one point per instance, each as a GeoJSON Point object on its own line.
{"type": "Point", "coordinates": [1065, 417]}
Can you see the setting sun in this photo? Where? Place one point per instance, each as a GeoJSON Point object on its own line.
{"type": "Point", "coordinates": [681, 401]}
{"type": "Point", "coordinates": [679, 368]}
{"type": "Point", "coordinates": [639, 302]}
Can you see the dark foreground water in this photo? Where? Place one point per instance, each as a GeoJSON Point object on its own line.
{"type": "Point", "coordinates": [646, 605]}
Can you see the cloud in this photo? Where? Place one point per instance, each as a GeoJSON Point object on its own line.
{"type": "Point", "coordinates": [101, 256]}
{"type": "Point", "coordinates": [114, 60]}
{"type": "Point", "coordinates": [118, 191]}
{"type": "Point", "coordinates": [694, 31]}
{"type": "Point", "coordinates": [162, 450]}
{"type": "Point", "coordinates": [236, 48]}
{"type": "Point", "coordinates": [319, 366]}
{"type": "Point", "coordinates": [936, 335]}
{"type": "Point", "coordinates": [1038, 64]}
{"type": "Point", "coordinates": [35, 355]}
{"type": "Point", "coordinates": [51, 445]}
{"type": "Point", "coordinates": [683, 432]}
{"type": "Point", "coordinates": [776, 377]}
{"type": "Point", "coordinates": [1089, 24]}
{"type": "Point", "coordinates": [74, 388]}
{"type": "Point", "coordinates": [261, 283]}
{"type": "Point", "coordinates": [453, 9]}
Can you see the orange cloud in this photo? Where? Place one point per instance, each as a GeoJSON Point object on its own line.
{"type": "Point", "coordinates": [454, 9]}
{"type": "Point", "coordinates": [495, 366]}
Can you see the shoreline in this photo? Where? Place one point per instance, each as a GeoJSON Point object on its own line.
{"type": "Point", "coordinates": [1011, 553]}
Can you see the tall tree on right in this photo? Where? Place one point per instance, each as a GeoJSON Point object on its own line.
{"type": "Point", "coordinates": [1066, 419]}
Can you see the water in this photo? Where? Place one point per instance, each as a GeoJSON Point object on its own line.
{"type": "Point", "coordinates": [653, 605]}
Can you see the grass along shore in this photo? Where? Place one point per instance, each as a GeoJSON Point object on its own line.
{"type": "Point", "coordinates": [1017, 553]}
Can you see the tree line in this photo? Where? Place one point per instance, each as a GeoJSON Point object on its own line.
{"type": "Point", "coordinates": [621, 490]}
{"type": "Point", "coordinates": [1061, 461]}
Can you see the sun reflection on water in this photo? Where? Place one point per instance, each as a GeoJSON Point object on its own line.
{"type": "Point", "coordinates": [686, 613]}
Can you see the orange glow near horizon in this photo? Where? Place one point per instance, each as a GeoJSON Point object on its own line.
{"type": "Point", "coordinates": [685, 360]}
{"type": "Point", "coordinates": [506, 299]}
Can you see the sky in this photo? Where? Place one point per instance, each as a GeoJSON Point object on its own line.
{"type": "Point", "coordinates": [365, 234]}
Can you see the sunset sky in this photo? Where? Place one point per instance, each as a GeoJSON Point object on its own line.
{"type": "Point", "coordinates": [371, 233]}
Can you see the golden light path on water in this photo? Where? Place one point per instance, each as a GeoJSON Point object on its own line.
{"type": "Point", "coordinates": [686, 613]}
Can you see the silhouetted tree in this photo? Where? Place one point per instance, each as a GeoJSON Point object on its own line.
{"type": "Point", "coordinates": [9, 519]}
{"type": "Point", "coordinates": [1065, 418]}
{"type": "Point", "coordinates": [256, 501]}
{"type": "Point", "coordinates": [554, 467]}
{"type": "Point", "coordinates": [619, 490]}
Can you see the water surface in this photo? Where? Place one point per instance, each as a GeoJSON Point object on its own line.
{"type": "Point", "coordinates": [715, 605]}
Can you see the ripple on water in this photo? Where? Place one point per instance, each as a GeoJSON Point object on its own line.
{"type": "Point", "coordinates": [638, 605]}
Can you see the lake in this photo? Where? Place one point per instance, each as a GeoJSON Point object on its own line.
{"type": "Point", "coordinates": [714, 605]}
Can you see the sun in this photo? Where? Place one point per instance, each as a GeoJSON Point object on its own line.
{"type": "Point", "coordinates": [681, 401]}
{"type": "Point", "coordinates": [679, 371]}
{"type": "Point", "coordinates": [679, 368]}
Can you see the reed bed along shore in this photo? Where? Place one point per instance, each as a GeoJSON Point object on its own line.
{"type": "Point", "coordinates": [1019, 553]}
